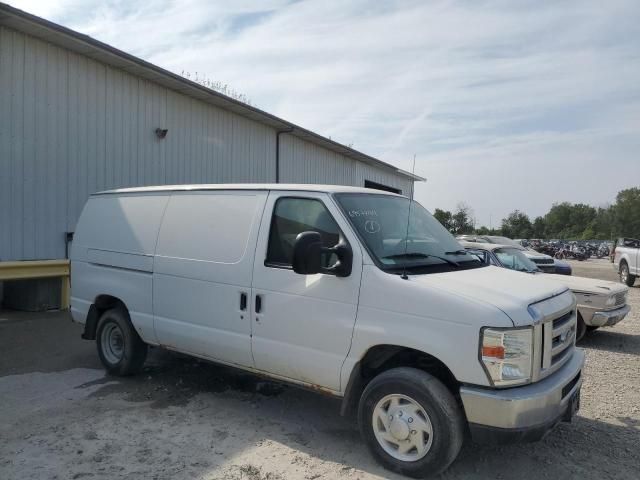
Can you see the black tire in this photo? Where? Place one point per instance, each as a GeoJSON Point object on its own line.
{"type": "Point", "coordinates": [444, 413]}
{"type": "Point", "coordinates": [625, 276]}
{"type": "Point", "coordinates": [126, 353]}
{"type": "Point", "coordinates": [581, 328]}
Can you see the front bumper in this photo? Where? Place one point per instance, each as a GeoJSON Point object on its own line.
{"type": "Point", "coordinates": [523, 413]}
{"type": "Point", "coordinates": [607, 318]}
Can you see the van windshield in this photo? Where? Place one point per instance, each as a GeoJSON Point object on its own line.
{"type": "Point", "coordinates": [381, 223]}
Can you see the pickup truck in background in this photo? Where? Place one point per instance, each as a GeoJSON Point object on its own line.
{"type": "Point", "coordinates": [626, 260]}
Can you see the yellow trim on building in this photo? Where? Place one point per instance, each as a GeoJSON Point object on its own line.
{"type": "Point", "coordinates": [40, 269]}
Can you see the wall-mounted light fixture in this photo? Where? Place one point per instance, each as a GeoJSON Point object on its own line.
{"type": "Point", "coordinates": [161, 132]}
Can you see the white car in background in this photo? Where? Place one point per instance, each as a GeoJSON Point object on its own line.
{"type": "Point", "coordinates": [600, 303]}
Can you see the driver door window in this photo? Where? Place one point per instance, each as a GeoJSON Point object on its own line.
{"type": "Point", "coordinates": [292, 216]}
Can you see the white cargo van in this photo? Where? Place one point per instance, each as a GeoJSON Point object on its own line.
{"type": "Point", "coordinates": [326, 287]}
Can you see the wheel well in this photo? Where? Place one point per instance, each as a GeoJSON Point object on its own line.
{"type": "Point", "coordinates": [622, 262]}
{"type": "Point", "coordinates": [385, 357]}
{"type": "Point", "coordinates": [105, 302]}
{"type": "Point", "coordinates": [101, 304]}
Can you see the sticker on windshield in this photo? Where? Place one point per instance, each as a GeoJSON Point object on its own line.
{"type": "Point", "coordinates": [363, 213]}
{"type": "Point", "coordinates": [371, 226]}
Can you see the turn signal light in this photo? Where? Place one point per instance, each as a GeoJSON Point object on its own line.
{"type": "Point", "coordinates": [493, 351]}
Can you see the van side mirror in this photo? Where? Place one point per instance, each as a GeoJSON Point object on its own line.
{"type": "Point", "coordinates": [308, 252]}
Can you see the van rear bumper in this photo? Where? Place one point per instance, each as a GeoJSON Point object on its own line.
{"type": "Point", "coordinates": [525, 413]}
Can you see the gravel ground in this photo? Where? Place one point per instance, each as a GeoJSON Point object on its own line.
{"type": "Point", "coordinates": [62, 418]}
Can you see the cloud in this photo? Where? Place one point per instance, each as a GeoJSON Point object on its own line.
{"type": "Point", "coordinates": [506, 104]}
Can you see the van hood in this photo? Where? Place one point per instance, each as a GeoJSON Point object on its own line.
{"type": "Point", "coordinates": [510, 291]}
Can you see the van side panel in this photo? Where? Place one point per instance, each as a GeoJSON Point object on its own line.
{"type": "Point", "coordinates": [132, 287]}
{"type": "Point", "coordinates": [112, 254]}
{"type": "Point", "coordinates": [203, 265]}
{"type": "Point", "coordinates": [119, 223]}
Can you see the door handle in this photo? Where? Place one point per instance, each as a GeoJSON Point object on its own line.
{"type": "Point", "coordinates": [258, 308]}
{"type": "Point", "coordinates": [243, 301]}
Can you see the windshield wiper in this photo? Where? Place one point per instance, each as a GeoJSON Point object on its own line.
{"type": "Point", "coordinates": [421, 255]}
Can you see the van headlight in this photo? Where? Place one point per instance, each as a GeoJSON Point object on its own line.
{"type": "Point", "coordinates": [507, 355]}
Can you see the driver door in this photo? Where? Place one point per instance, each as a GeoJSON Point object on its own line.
{"type": "Point", "coordinates": [302, 324]}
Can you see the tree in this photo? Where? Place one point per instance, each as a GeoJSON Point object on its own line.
{"type": "Point", "coordinates": [601, 225]}
{"type": "Point", "coordinates": [445, 217]}
{"type": "Point", "coordinates": [517, 225]}
{"type": "Point", "coordinates": [462, 220]}
{"type": "Point", "coordinates": [626, 213]}
{"type": "Point", "coordinates": [568, 221]}
{"type": "Point", "coordinates": [488, 231]}
{"type": "Point", "coordinates": [539, 226]}
{"type": "Point", "coordinates": [459, 222]}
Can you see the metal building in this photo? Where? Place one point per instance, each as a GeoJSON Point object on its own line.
{"type": "Point", "coordinates": [79, 116]}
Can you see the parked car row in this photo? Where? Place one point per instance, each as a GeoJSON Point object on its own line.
{"type": "Point", "coordinates": [355, 293]}
{"type": "Point", "coordinates": [544, 262]}
{"type": "Point", "coordinates": [600, 303]}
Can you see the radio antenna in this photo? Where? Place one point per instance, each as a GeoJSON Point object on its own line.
{"type": "Point", "coordinates": [406, 237]}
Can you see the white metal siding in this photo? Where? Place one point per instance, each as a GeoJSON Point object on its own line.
{"type": "Point", "coordinates": [367, 172]}
{"type": "Point", "coordinates": [70, 126]}
{"type": "Point", "coordinates": [304, 162]}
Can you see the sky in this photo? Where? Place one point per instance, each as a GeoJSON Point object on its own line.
{"type": "Point", "coordinates": [505, 104]}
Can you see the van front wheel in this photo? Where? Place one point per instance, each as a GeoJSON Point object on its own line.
{"type": "Point", "coordinates": [120, 348]}
{"type": "Point", "coordinates": [411, 422]}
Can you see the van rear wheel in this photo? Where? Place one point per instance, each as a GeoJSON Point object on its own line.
{"type": "Point", "coordinates": [411, 422]}
{"type": "Point", "coordinates": [120, 348]}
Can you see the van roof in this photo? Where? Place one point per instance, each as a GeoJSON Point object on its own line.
{"type": "Point", "coordinates": [245, 186]}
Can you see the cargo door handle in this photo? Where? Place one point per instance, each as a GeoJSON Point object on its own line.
{"type": "Point", "coordinates": [258, 303]}
{"type": "Point", "coordinates": [243, 301]}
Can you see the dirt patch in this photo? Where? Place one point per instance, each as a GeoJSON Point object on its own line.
{"type": "Point", "coordinates": [173, 379]}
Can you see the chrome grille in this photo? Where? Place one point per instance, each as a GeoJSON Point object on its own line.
{"type": "Point", "coordinates": [558, 340]}
{"type": "Point", "coordinates": [621, 299]}
{"type": "Point", "coordinates": [554, 331]}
